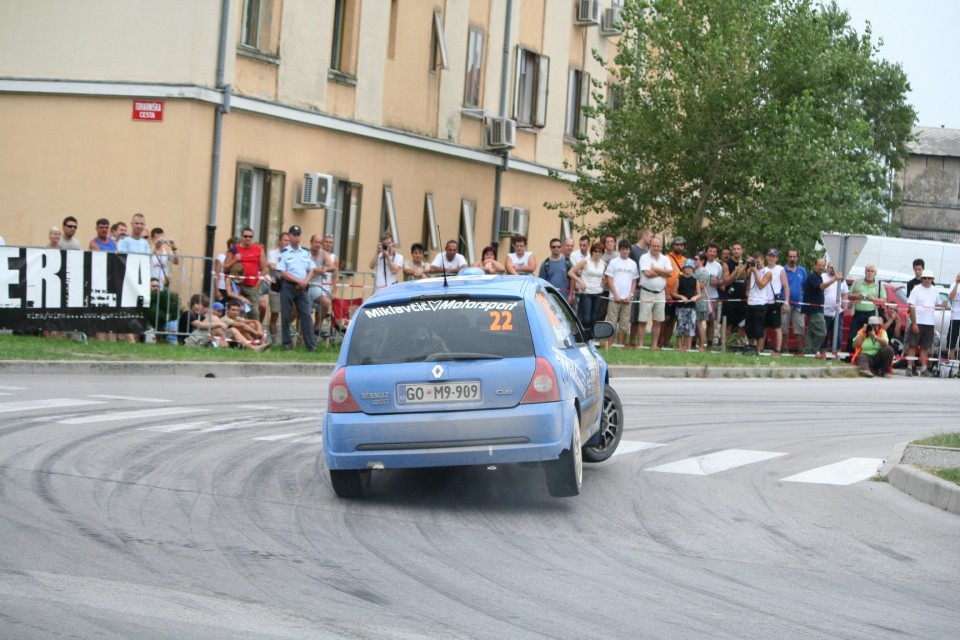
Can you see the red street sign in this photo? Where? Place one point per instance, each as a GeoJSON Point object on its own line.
{"type": "Point", "coordinates": [148, 110]}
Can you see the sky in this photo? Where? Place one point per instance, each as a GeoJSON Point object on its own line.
{"type": "Point", "coordinates": [924, 37]}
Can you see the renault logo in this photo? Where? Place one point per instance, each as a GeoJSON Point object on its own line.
{"type": "Point", "coordinates": [437, 371]}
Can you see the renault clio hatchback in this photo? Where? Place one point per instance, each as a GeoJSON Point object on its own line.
{"type": "Point", "coordinates": [469, 370]}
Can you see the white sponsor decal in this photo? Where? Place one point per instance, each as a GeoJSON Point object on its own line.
{"type": "Point", "coordinates": [440, 305]}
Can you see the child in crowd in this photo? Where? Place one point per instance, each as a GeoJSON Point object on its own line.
{"type": "Point", "coordinates": [686, 292]}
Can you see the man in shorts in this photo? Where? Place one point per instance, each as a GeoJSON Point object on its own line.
{"type": "Point", "coordinates": [655, 268]}
{"type": "Point", "coordinates": [924, 300]}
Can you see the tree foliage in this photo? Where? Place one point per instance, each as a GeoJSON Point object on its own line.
{"type": "Point", "coordinates": [766, 122]}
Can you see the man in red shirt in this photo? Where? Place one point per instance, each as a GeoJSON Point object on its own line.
{"type": "Point", "coordinates": [254, 260]}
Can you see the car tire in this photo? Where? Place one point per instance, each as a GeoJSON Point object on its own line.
{"type": "Point", "coordinates": [897, 345]}
{"type": "Point", "coordinates": [565, 474]}
{"type": "Point", "coordinates": [350, 483]}
{"type": "Point", "coordinates": [611, 428]}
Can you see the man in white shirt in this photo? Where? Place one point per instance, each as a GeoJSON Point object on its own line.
{"type": "Point", "coordinates": [833, 306]}
{"type": "Point", "coordinates": [386, 263]}
{"type": "Point", "coordinates": [655, 268]}
{"type": "Point", "coordinates": [924, 300]}
{"type": "Point", "coordinates": [621, 278]}
{"type": "Point", "coordinates": [449, 262]}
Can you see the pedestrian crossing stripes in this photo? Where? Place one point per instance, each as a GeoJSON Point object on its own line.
{"type": "Point", "coordinates": [137, 414]}
{"type": "Point", "coordinates": [628, 446]}
{"type": "Point", "coordinates": [716, 462]}
{"type": "Point", "coordinates": [263, 418]}
{"type": "Point", "coordinates": [312, 437]}
{"type": "Point", "coordinates": [109, 397]}
{"type": "Point", "coordinates": [846, 472]}
{"type": "Point", "coordinates": [44, 403]}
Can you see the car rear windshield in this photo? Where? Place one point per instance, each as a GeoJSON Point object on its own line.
{"type": "Point", "coordinates": [440, 329]}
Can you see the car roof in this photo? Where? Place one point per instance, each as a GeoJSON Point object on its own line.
{"type": "Point", "coordinates": [486, 285]}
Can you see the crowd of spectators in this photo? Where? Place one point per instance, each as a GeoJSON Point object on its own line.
{"type": "Point", "coordinates": [682, 297]}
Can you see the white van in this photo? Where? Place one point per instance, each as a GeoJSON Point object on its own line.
{"type": "Point", "coordinates": [894, 258]}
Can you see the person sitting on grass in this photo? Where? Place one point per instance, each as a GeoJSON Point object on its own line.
{"type": "Point", "coordinates": [244, 331]}
{"type": "Point", "coordinates": [205, 328]}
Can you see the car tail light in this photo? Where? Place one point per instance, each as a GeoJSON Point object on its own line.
{"type": "Point", "coordinates": [340, 400]}
{"type": "Point", "coordinates": [543, 387]}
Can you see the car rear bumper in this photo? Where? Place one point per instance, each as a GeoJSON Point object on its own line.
{"type": "Point", "coordinates": [524, 433]}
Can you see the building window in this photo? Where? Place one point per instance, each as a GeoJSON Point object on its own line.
{"type": "Point", "coordinates": [468, 216]}
{"type": "Point", "coordinates": [471, 92]}
{"type": "Point", "coordinates": [259, 202]}
{"type": "Point", "coordinates": [530, 90]}
{"type": "Point", "coordinates": [343, 223]}
{"type": "Point", "coordinates": [252, 21]}
{"type": "Point", "coordinates": [258, 34]}
{"type": "Point", "coordinates": [438, 46]}
{"type": "Point", "coordinates": [343, 56]}
{"type": "Point", "coordinates": [388, 216]}
{"type": "Point", "coordinates": [431, 236]}
{"type": "Point", "coordinates": [578, 96]}
{"type": "Point", "coordinates": [566, 229]}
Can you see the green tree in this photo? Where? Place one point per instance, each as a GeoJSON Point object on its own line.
{"type": "Point", "coordinates": [766, 122]}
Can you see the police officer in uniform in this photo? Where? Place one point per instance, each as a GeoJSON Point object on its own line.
{"type": "Point", "coordinates": [295, 268]}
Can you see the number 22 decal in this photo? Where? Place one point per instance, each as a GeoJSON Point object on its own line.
{"type": "Point", "coordinates": [502, 321]}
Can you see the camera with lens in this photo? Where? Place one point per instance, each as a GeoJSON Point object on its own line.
{"type": "Point", "coordinates": [751, 263]}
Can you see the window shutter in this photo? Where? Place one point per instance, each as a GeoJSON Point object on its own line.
{"type": "Point", "coordinates": [584, 101]}
{"type": "Point", "coordinates": [543, 77]}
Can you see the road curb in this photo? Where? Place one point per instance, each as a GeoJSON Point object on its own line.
{"type": "Point", "coordinates": [322, 369]}
{"type": "Point", "coordinates": [923, 486]}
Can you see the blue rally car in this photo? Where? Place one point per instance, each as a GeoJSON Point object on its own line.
{"type": "Point", "coordinates": [469, 370]}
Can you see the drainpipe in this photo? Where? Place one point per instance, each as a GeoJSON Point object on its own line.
{"type": "Point", "coordinates": [217, 137]}
{"type": "Point", "coordinates": [504, 74]}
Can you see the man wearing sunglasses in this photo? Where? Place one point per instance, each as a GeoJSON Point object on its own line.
{"type": "Point", "coordinates": [68, 241]}
{"type": "Point", "coordinates": [254, 260]}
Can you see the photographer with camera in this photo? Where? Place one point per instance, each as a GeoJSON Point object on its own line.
{"type": "Point", "coordinates": [386, 263]}
{"type": "Point", "coordinates": [163, 254]}
{"type": "Point", "coordinates": [873, 354]}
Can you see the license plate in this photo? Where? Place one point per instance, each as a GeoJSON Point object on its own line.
{"type": "Point", "coordinates": [464, 391]}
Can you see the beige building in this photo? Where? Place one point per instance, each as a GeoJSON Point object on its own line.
{"type": "Point", "coordinates": [930, 183]}
{"type": "Point", "coordinates": [209, 116]}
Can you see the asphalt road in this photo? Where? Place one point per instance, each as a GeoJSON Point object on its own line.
{"type": "Point", "coordinates": [173, 507]}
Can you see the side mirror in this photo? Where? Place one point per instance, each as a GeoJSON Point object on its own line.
{"type": "Point", "coordinates": [602, 330]}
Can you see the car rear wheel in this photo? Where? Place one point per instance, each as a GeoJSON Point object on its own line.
{"type": "Point", "coordinates": [350, 483]}
{"type": "Point", "coordinates": [565, 475]}
{"type": "Point", "coordinates": [611, 428]}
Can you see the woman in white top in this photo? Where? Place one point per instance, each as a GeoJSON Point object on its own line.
{"type": "Point", "coordinates": [521, 262]}
{"type": "Point", "coordinates": [588, 273]}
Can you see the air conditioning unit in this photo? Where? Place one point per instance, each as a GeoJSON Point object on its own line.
{"type": "Point", "coordinates": [514, 221]}
{"type": "Point", "coordinates": [588, 13]}
{"type": "Point", "coordinates": [316, 191]}
{"type": "Point", "coordinates": [501, 133]}
{"type": "Point", "coordinates": [610, 25]}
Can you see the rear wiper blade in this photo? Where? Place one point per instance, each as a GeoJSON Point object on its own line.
{"type": "Point", "coordinates": [433, 357]}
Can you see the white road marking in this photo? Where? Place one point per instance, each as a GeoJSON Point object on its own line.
{"type": "Point", "coordinates": [716, 462]}
{"type": "Point", "coordinates": [48, 403]}
{"type": "Point", "coordinates": [129, 398]}
{"type": "Point", "coordinates": [847, 472]}
{"type": "Point", "coordinates": [13, 388]}
{"type": "Point", "coordinates": [132, 415]}
{"type": "Point", "coordinates": [173, 428]}
{"type": "Point", "coordinates": [308, 437]}
{"type": "Point", "coordinates": [256, 407]}
{"type": "Point", "coordinates": [632, 446]}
